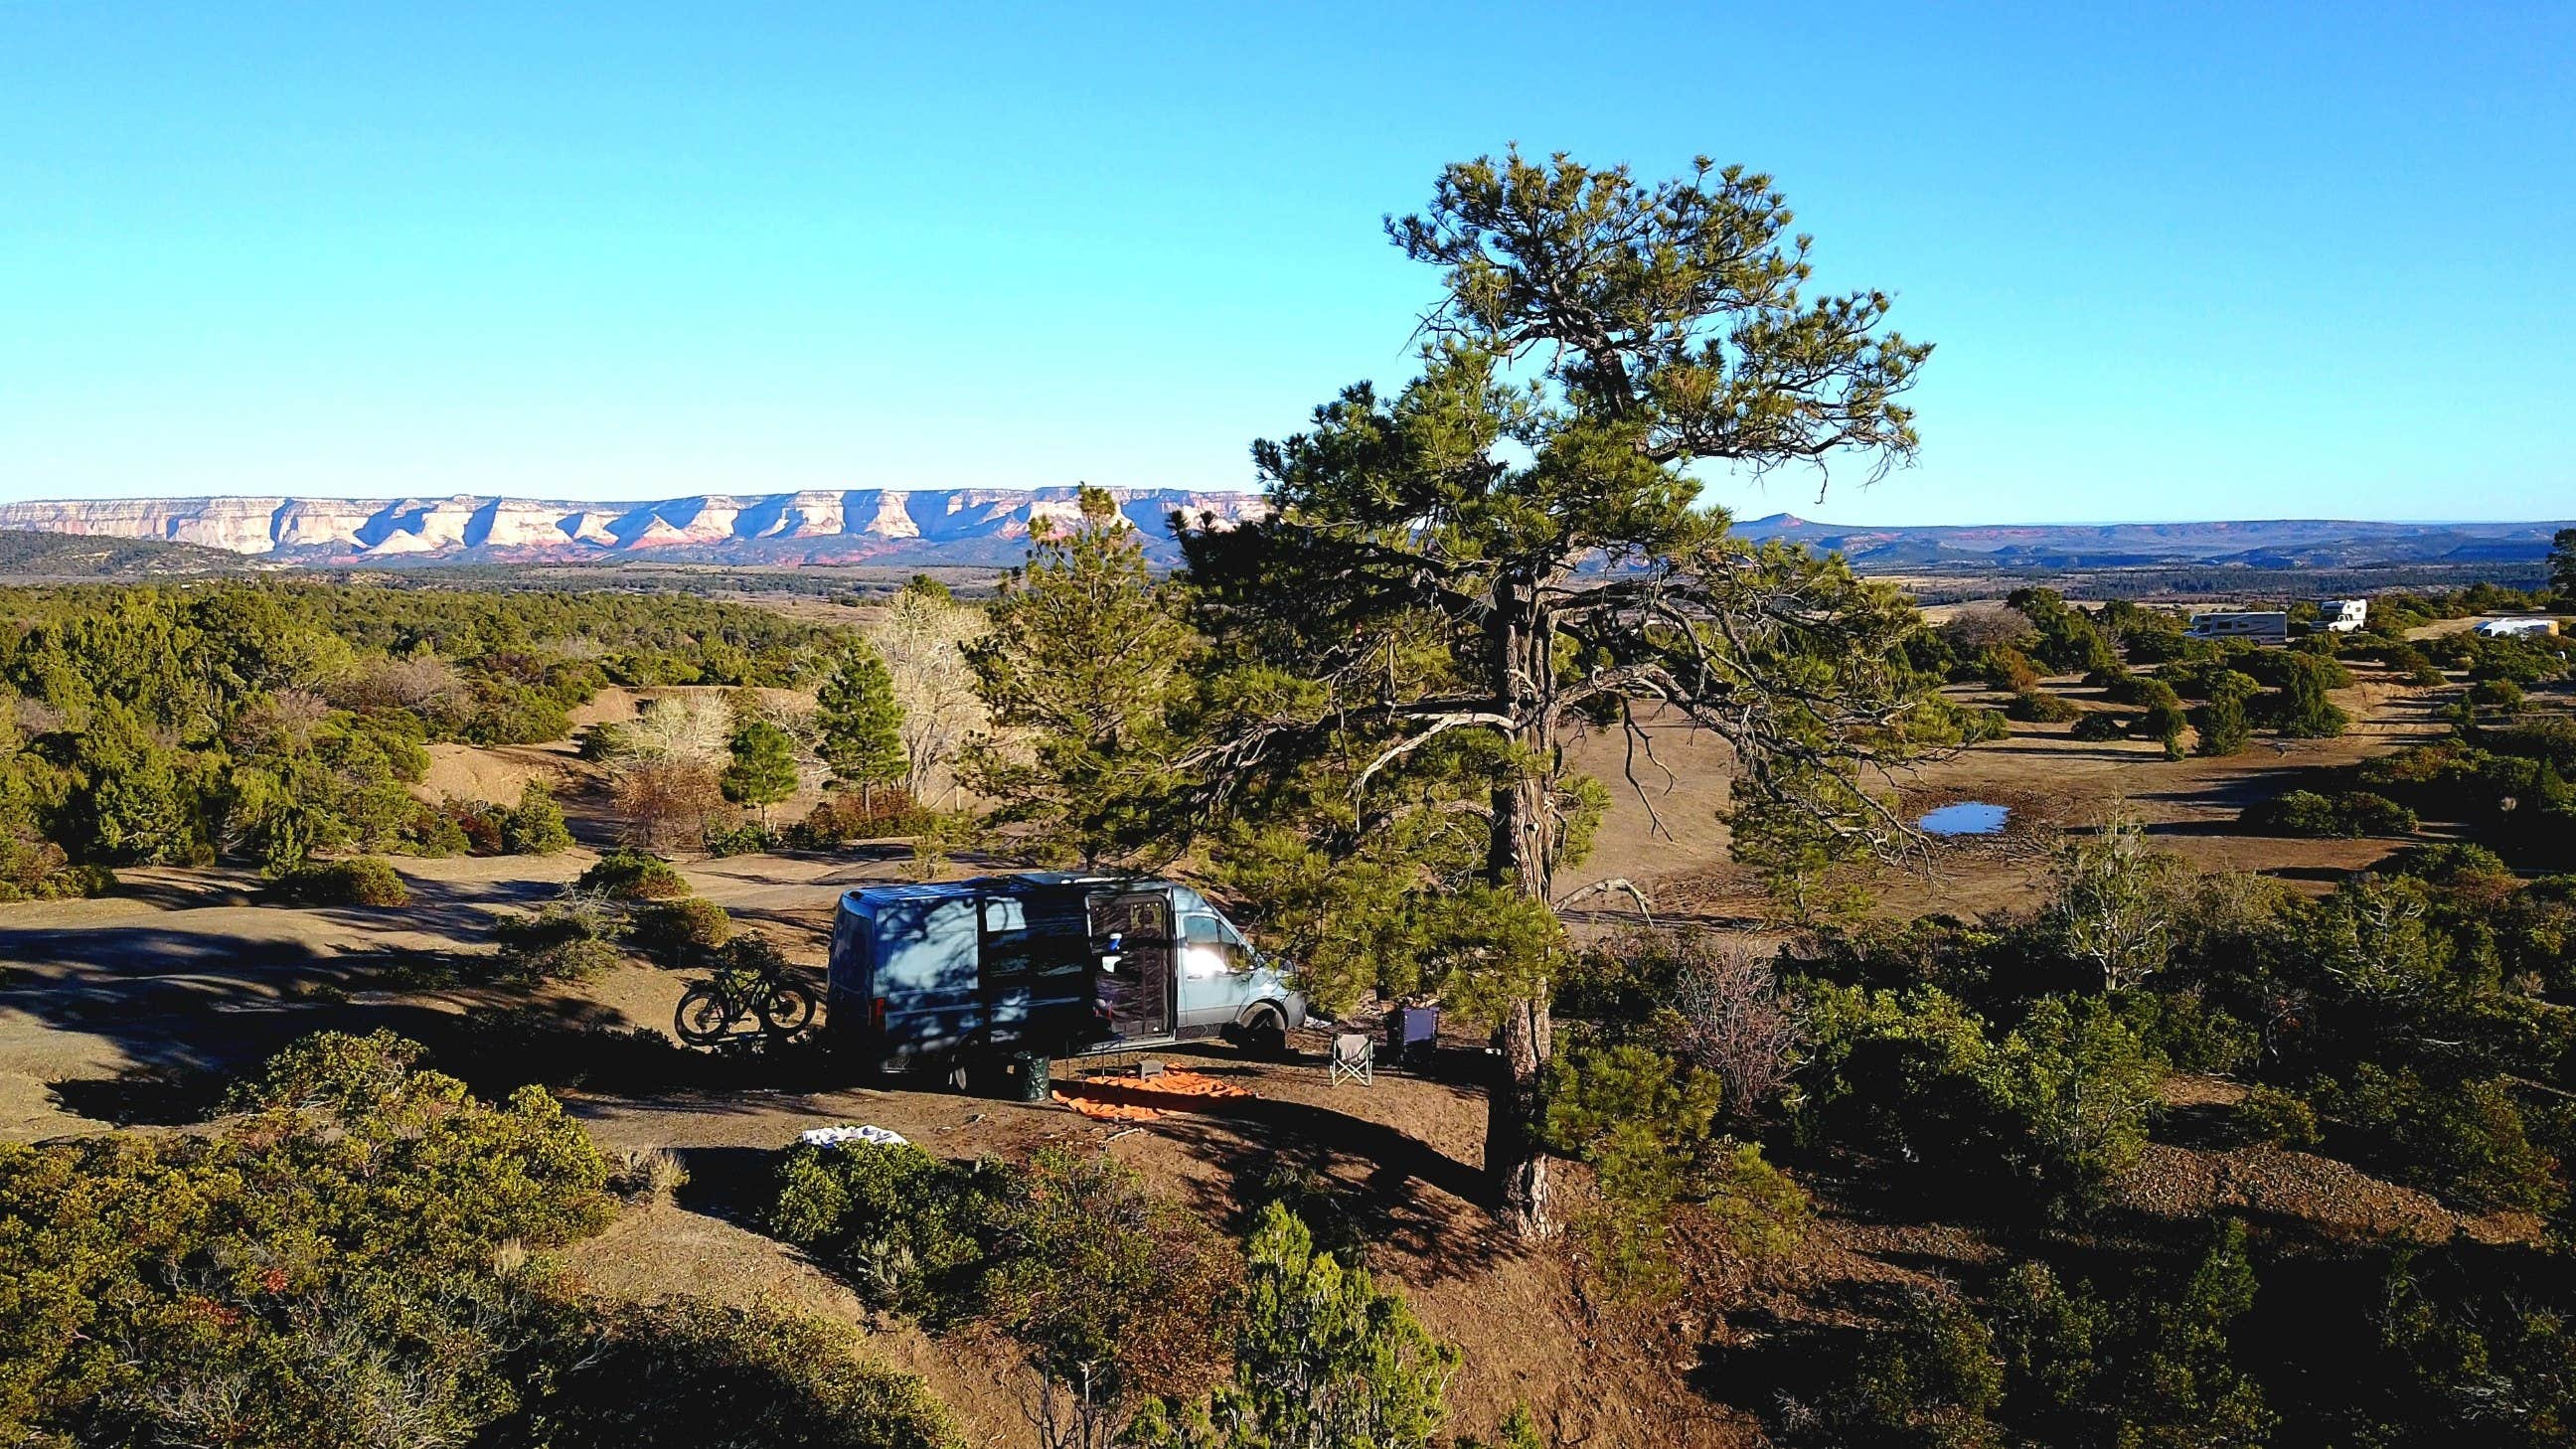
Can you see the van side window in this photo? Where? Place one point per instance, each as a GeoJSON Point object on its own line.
{"type": "Point", "coordinates": [1040, 936]}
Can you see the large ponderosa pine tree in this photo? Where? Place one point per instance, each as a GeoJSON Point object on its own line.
{"type": "Point", "coordinates": [1080, 667]}
{"type": "Point", "coordinates": [1458, 577]}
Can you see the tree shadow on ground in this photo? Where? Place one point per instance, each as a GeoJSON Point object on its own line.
{"type": "Point", "coordinates": [456, 911]}
{"type": "Point", "coordinates": [180, 893]}
{"type": "Point", "coordinates": [1366, 1183]}
{"type": "Point", "coordinates": [167, 1096]}
{"type": "Point", "coordinates": [1772, 1363]}
{"type": "Point", "coordinates": [736, 1184]}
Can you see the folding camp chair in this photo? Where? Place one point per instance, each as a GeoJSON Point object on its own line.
{"type": "Point", "coordinates": [1354, 1060]}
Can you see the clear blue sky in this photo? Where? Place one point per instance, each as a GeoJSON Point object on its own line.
{"type": "Point", "coordinates": [2189, 261]}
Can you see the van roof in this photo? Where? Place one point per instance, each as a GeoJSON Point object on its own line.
{"type": "Point", "coordinates": [993, 885]}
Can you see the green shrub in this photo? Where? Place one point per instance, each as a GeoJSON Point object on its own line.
{"type": "Point", "coordinates": [461, 826]}
{"type": "Point", "coordinates": [1098, 1280]}
{"type": "Point", "coordinates": [34, 869]}
{"type": "Point", "coordinates": [1933, 1381]}
{"type": "Point", "coordinates": [896, 1223]}
{"type": "Point", "coordinates": [2006, 668]}
{"type": "Point", "coordinates": [535, 826]}
{"type": "Point", "coordinates": [2348, 815]}
{"type": "Point", "coordinates": [2037, 707]}
{"type": "Point", "coordinates": [1902, 1076]}
{"type": "Point", "coordinates": [2099, 726]}
{"type": "Point", "coordinates": [364, 881]}
{"type": "Point", "coordinates": [2142, 690]}
{"type": "Point", "coordinates": [2163, 723]}
{"type": "Point", "coordinates": [432, 831]}
{"type": "Point", "coordinates": [2061, 1104]}
{"type": "Point", "coordinates": [845, 816]}
{"type": "Point", "coordinates": [2466, 1141]}
{"type": "Point", "coordinates": [600, 743]}
{"type": "Point", "coordinates": [1640, 1118]}
{"type": "Point", "coordinates": [1763, 1213]}
{"type": "Point", "coordinates": [685, 1372]}
{"type": "Point", "coordinates": [506, 713]}
{"type": "Point", "coordinates": [356, 1243]}
{"type": "Point", "coordinates": [2299, 706]}
{"type": "Point", "coordinates": [2496, 694]}
{"type": "Point", "coordinates": [2370, 814]}
{"type": "Point", "coordinates": [2272, 1117]}
{"type": "Point", "coordinates": [331, 1071]}
{"type": "Point", "coordinates": [2076, 1084]}
{"type": "Point", "coordinates": [2226, 722]}
{"type": "Point", "coordinates": [2520, 660]}
{"type": "Point", "coordinates": [2187, 1032]}
{"type": "Point", "coordinates": [2050, 1335]}
{"type": "Point", "coordinates": [1323, 1356]}
{"type": "Point", "coordinates": [2296, 812]}
{"type": "Point", "coordinates": [682, 932]}
{"type": "Point", "coordinates": [2184, 1386]}
{"type": "Point", "coordinates": [1645, 1123]}
{"type": "Point", "coordinates": [569, 939]}
{"type": "Point", "coordinates": [749, 837]}
{"type": "Point", "coordinates": [2448, 863]}
{"type": "Point", "coordinates": [633, 875]}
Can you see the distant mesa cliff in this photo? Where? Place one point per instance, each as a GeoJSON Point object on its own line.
{"type": "Point", "coordinates": [882, 526]}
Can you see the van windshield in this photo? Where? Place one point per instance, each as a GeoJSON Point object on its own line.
{"type": "Point", "coordinates": [1214, 945]}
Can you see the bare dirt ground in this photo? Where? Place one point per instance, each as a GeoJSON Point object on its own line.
{"type": "Point", "coordinates": [496, 775]}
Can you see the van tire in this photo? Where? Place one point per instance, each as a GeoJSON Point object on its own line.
{"type": "Point", "coordinates": [1264, 1034]}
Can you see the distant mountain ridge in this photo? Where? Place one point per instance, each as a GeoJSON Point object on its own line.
{"type": "Point", "coordinates": [2286, 543]}
{"type": "Point", "coordinates": [991, 526]}
{"type": "Point", "coordinates": [880, 526]}
{"type": "Point", "coordinates": [35, 555]}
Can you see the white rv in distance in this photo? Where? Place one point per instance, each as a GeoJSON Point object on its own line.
{"type": "Point", "coordinates": [2515, 628]}
{"type": "Point", "coordinates": [2342, 616]}
{"type": "Point", "coordinates": [2263, 628]}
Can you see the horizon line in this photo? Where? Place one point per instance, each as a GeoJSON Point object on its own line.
{"type": "Point", "coordinates": [1737, 517]}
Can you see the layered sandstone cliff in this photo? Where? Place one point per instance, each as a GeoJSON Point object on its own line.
{"type": "Point", "coordinates": [943, 525]}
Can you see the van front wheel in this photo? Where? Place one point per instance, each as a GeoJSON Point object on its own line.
{"type": "Point", "coordinates": [1264, 1036]}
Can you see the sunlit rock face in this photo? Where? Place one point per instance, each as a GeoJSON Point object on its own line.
{"type": "Point", "coordinates": [892, 526]}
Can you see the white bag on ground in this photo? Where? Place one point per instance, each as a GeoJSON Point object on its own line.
{"type": "Point", "coordinates": [838, 1136]}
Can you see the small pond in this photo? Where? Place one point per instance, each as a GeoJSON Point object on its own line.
{"type": "Point", "coordinates": [1968, 817]}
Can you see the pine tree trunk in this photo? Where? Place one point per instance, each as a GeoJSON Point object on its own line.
{"type": "Point", "coordinates": [1511, 1113]}
{"type": "Point", "coordinates": [1522, 859]}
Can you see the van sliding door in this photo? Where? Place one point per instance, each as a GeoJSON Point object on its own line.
{"type": "Point", "coordinates": [1132, 939]}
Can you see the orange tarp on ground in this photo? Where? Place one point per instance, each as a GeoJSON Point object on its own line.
{"type": "Point", "coordinates": [1142, 1099]}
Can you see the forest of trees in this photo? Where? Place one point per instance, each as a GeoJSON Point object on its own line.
{"type": "Point", "coordinates": [267, 722]}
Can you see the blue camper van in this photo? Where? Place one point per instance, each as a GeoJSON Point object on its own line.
{"type": "Point", "coordinates": [927, 977]}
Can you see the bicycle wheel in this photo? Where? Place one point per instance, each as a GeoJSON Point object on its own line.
{"type": "Point", "coordinates": [705, 1015]}
{"type": "Point", "coordinates": [788, 1009]}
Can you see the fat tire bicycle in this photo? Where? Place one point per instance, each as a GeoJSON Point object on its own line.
{"type": "Point", "coordinates": [716, 1009]}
